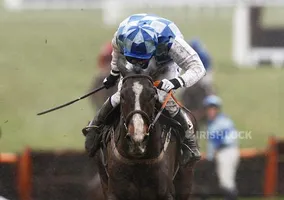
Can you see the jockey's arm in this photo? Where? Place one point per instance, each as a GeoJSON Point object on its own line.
{"type": "Point", "coordinates": [115, 54]}
{"type": "Point", "coordinates": [114, 72]}
{"type": "Point", "coordinates": [187, 59]}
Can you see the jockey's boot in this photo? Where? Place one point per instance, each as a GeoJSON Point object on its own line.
{"type": "Point", "coordinates": [189, 147]}
{"type": "Point", "coordinates": [93, 130]}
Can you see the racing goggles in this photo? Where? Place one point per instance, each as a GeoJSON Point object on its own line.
{"type": "Point", "coordinates": [138, 62]}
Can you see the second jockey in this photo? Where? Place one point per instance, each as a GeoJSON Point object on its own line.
{"type": "Point", "coordinates": [139, 39]}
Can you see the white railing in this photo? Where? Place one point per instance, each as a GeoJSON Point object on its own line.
{"type": "Point", "coordinates": [100, 4]}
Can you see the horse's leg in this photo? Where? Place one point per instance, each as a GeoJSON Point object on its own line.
{"type": "Point", "coordinates": [183, 183]}
{"type": "Point", "coordinates": [103, 175]}
{"type": "Point", "coordinates": [96, 191]}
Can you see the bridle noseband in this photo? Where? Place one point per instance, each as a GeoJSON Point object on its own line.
{"type": "Point", "coordinates": [141, 112]}
{"type": "Point", "coordinates": [145, 116]}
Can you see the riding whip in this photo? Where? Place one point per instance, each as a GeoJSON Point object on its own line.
{"type": "Point", "coordinates": [73, 101]}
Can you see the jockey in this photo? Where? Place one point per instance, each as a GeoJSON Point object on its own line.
{"type": "Point", "coordinates": [206, 60]}
{"type": "Point", "coordinates": [222, 145]}
{"type": "Point", "coordinates": [139, 39]}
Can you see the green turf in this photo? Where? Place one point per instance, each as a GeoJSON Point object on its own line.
{"type": "Point", "coordinates": [49, 57]}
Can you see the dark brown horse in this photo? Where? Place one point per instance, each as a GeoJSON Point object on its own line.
{"type": "Point", "coordinates": [139, 162]}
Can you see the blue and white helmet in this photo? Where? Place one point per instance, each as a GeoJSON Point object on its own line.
{"type": "Point", "coordinates": [212, 100]}
{"type": "Point", "coordinates": [139, 41]}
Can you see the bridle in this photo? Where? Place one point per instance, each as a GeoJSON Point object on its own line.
{"type": "Point", "coordinates": [151, 121]}
{"type": "Point", "coordinates": [146, 117]}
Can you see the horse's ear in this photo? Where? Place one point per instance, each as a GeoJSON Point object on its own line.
{"type": "Point", "coordinates": [121, 64]}
{"type": "Point", "coordinates": [151, 69]}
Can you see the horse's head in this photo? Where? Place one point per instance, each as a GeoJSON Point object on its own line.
{"type": "Point", "coordinates": [138, 98]}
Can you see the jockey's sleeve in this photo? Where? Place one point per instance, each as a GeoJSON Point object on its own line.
{"type": "Point", "coordinates": [115, 54]}
{"type": "Point", "coordinates": [186, 58]}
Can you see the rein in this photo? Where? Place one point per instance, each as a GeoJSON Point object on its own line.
{"type": "Point", "coordinates": [169, 95]}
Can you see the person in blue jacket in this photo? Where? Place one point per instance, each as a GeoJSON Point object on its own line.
{"type": "Point", "coordinates": [207, 80]}
{"type": "Point", "coordinates": [222, 145]}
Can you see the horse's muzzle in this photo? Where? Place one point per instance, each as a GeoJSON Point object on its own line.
{"type": "Point", "coordinates": [137, 149]}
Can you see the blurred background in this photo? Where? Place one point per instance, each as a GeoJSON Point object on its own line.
{"type": "Point", "coordinates": [51, 52]}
